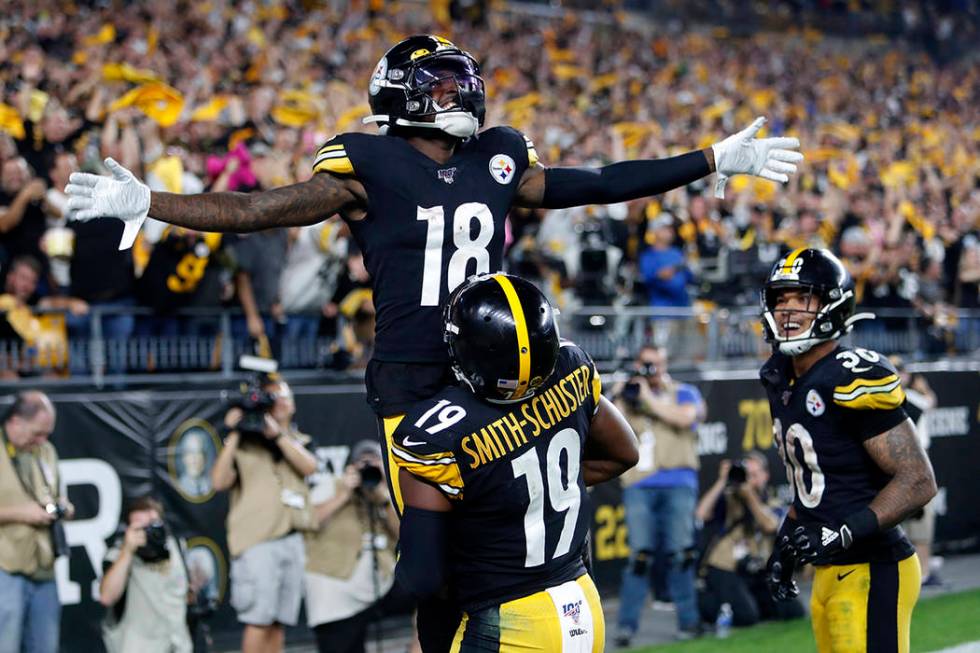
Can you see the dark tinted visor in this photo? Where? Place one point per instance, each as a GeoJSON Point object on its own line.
{"type": "Point", "coordinates": [452, 66]}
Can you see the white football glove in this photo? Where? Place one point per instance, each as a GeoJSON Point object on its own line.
{"type": "Point", "coordinates": [121, 196]}
{"type": "Point", "coordinates": [742, 153]}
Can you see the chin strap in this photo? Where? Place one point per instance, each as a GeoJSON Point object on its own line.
{"type": "Point", "coordinates": [461, 124]}
{"type": "Point", "coordinates": [850, 322]}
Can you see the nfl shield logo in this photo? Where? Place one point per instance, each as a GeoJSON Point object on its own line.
{"type": "Point", "coordinates": [448, 175]}
{"type": "Point", "coordinates": [815, 404]}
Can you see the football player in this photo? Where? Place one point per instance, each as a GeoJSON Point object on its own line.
{"type": "Point", "coordinates": [426, 202]}
{"type": "Point", "coordinates": [494, 473]}
{"type": "Point", "coordinates": [852, 458]}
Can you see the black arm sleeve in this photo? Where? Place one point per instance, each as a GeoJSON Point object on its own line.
{"type": "Point", "coordinates": [421, 567]}
{"type": "Point", "coordinates": [619, 182]}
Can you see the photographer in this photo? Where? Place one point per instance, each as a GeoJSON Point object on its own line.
{"type": "Point", "coordinates": [264, 462]}
{"type": "Point", "coordinates": [32, 534]}
{"type": "Point", "coordinates": [144, 586]}
{"type": "Point", "coordinates": [351, 557]}
{"type": "Point", "coordinates": [742, 529]}
{"type": "Point", "coordinates": [659, 494]}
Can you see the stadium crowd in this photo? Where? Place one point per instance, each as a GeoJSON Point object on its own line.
{"type": "Point", "coordinates": [228, 96]}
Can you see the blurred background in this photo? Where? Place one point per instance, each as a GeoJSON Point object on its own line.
{"type": "Point", "coordinates": [220, 95]}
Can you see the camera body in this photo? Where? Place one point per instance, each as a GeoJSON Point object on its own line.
{"type": "Point", "coordinates": [56, 510]}
{"type": "Point", "coordinates": [737, 474]}
{"type": "Point", "coordinates": [254, 403]}
{"type": "Point", "coordinates": [631, 393]}
{"type": "Point", "coordinates": [370, 477]}
{"type": "Point", "coordinates": [59, 539]}
{"type": "Point", "coordinates": [155, 549]}
{"type": "Point", "coordinates": [254, 400]}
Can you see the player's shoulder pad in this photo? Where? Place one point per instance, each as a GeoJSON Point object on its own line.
{"type": "Point", "coordinates": [513, 141]}
{"type": "Point", "coordinates": [571, 357]}
{"type": "Point", "coordinates": [865, 380]}
{"type": "Point", "coordinates": [772, 372]}
{"type": "Point", "coordinates": [340, 154]}
{"type": "Point", "coordinates": [424, 444]}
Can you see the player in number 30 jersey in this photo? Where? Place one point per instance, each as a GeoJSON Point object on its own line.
{"type": "Point", "coordinates": [494, 474]}
{"type": "Point", "coordinates": [851, 456]}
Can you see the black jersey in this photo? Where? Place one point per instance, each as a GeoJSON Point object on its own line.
{"type": "Point", "coordinates": [820, 423]}
{"type": "Point", "coordinates": [513, 472]}
{"type": "Point", "coordinates": [428, 227]}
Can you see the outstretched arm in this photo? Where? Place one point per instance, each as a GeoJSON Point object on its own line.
{"type": "Point", "coordinates": [558, 188]}
{"type": "Point", "coordinates": [741, 153]}
{"type": "Point", "coordinates": [125, 197]}
{"type": "Point", "coordinates": [290, 206]}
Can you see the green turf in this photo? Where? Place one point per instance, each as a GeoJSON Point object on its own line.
{"type": "Point", "coordinates": [937, 623]}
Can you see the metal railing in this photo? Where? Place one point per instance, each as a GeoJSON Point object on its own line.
{"type": "Point", "coordinates": [206, 342]}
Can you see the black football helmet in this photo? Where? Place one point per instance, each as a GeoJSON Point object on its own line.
{"type": "Point", "coordinates": [502, 336]}
{"type": "Point", "coordinates": [400, 92]}
{"type": "Point", "coordinates": [822, 275]}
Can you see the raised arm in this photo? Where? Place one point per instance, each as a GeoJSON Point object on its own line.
{"type": "Point", "coordinates": [125, 197]}
{"type": "Point", "coordinates": [741, 153]}
{"type": "Point", "coordinates": [300, 204]}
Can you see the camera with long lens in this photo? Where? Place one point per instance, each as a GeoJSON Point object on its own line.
{"type": "Point", "coordinates": [254, 400]}
{"type": "Point", "coordinates": [370, 477]}
{"type": "Point", "coordinates": [737, 475]}
{"type": "Point", "coordinates": [631, 393]}
{"type": "Point", "coordinates": [59, 539]}
{"type": "Point", "coordinates": [155, 549]}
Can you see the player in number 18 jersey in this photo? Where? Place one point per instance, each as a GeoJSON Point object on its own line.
{"type": "Point", "coordinates": [851, 456]}
{"type": "Point", "coordinates": [495, 488]}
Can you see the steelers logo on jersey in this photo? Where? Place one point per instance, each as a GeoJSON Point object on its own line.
{"type": "Point", "coordinates": [502, 168]}
{"type": "Point", "coordinates": [814, 403]}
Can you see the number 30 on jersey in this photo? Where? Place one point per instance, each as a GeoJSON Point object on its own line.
{"type": "Point", "coordinates": [797, 437]}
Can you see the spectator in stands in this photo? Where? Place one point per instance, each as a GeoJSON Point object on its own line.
{"type": "Point", "coordinates": [32, 534]}
{"type": "Point", "coordinates": [663, 267]}
{"type": "Point", "coordinates": [182, 263]}
{"type": "Point", "coordinates": [102, 276]}
{"type": "Point", "coordinates": [263, 463]}
{"type": "Point", "coordinates": [353, 309]}
{"type": "Point", "coordinates": [740, 526]}
{"type": "Point", "coordinates": [661, 491]}
{"type": "Point", "coordinates": [145, 584]}
{"type": "Point", "coordinates": [317, 255]}
{"type": "Point", "coordinates": [350, 559]}
{"type": "Point", "coordinates": [889, 152]}
{"type": "Point", "coordinates": [21, 215]}
{"type": "Point", "coordinates": [33, 340]}
{"type": "Point", "coordinates": [259, 259]}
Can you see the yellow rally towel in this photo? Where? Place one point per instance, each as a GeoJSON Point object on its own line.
{"type": "Point", "coordinates": [211, 110]}
{"type": "Point", "coordinates": [105, 35]}
{"type": "Point", "coordinates": [116, 72]}
{"type": "Point", "coordinates": [11, 122]}
{"type": "Point", "coordinates": [158, 101]}
{"type": "Point", "coordinates": [295, 109]}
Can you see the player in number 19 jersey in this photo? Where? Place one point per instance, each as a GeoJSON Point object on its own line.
{"type": "Point", "coordinates": [495, 488]}
{"type": "Point", "coordinates": [851, 456]}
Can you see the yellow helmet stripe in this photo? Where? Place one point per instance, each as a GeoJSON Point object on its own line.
{"type": "Point", "coordinates": [523, 341]}
{"type": "Point", "coordinates": [788, 264]}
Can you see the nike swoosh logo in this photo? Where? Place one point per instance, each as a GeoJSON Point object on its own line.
{"type": "Point", "coordinates": [843, 576]}
{"type": "Point", "coordinates": [410, 443]}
